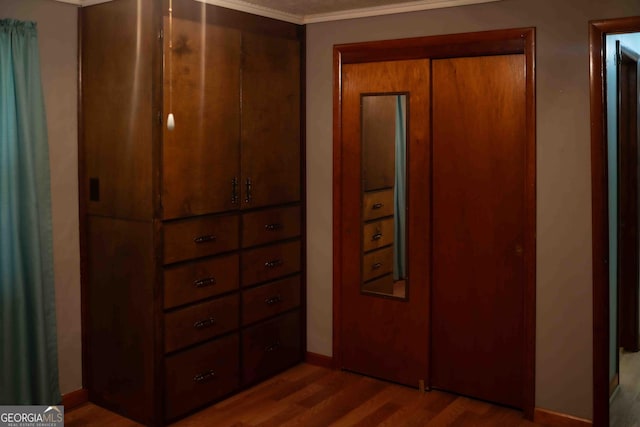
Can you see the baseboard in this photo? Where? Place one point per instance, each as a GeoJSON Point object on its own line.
{"type": "Point", "coordinates": [74, 399]}
{"type": "Point", "coordinates": [556, 419]}
{"type": "Point", "coordinates": [319, 360]}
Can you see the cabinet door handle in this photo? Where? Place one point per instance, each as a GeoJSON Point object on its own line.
{"type": "Point", "coordinates": [273, 264]}
{"type": "Point", "coordinates": [377, 205]}
{"type": "Point", "coordinates": [204, 377]}
{"type": "Point", "coordinates": [273, 300]}
{"type": "Point", "coordinates": [206, 323]}
{"type": "Point", "coordinates": [234, 191]}
{"type": "Point", "coordinates": [248, 195]}
{"type": "Point", "coordinates": [272, 227]}
{"type": "Point", "coordinates": [207, 281]}
{"type": "Point", "coordinates": [376, 266]}
{"type": "Point", "coordinates": [272, 347]}
{"type": "Point", "coordinates": [204, 239]}
{"type": "Point", "coordinates": [376, 236]}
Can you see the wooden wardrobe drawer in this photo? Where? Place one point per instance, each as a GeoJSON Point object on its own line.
{"type": "Point", "coordinates": [200, 279]}
{"type": "Point", "coordinates": [377, 263]}
{"type": "Point", "coordinates": [200, 322]}
{"type": "Point", "coordinates": [377, 204]}
{"type": "Point", "coordinates": [268, 300]}
{"type": "Point", "coordinates": [201, 375]}
{"type": "Point", "coordinates": [270, 225]}
{"type": "Point", "coordinates": [271, 262]}
{"type": "Point", "coordinates": [270, 347]}
{"type": "Point", "coordinates": [377, 234]}
{"type": "Point", "coordinates": [199, 237]}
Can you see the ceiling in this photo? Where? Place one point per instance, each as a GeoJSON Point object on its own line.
{"type": "Point", "coordinates": [310, 11]}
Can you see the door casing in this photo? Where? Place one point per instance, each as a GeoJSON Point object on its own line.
{"type": "Point", "coordinates": [599, 210]}
{"type": "Point", "coordinates": [500, 42]}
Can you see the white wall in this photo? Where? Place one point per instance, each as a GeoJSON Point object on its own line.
{"type": "Point", "coordinates": [564, 381]}
{"type": "Point", "coordinates": [57, 28]}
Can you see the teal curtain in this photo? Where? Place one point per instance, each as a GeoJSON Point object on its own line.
{"type": "Point", "coordinates": [400, 193]}
{"type": "Point", "coordinates": [28, 349]}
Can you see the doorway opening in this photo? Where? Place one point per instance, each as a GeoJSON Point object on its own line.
{"type": "Point", "coordinates": [615, 65]}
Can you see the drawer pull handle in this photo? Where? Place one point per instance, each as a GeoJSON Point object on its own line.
{"type": "Point", "coordinates": [273, 264]}
{"type": "Point", "coordinates": [272, 347]}
{"type": "Point", "coordinates": [376, 266]}
{"type": "Point", "coordinates": [377, 205]}
{"type": "Point", "coordinates": [272, 227]}
{"type": "Point", "coordinates": [273, 300]}
{"type": "Point", "coordinates": [204, 239]}
{"type": "Point", "coordinates": [201, 283]}
{"type": "Point", "coordinates": [206, 323]}
{"type": "Point", "coordinates": [248, 196]}
{"type": "Point", "coordinates": [204, 377]}
{"type": "Point", "coordinates": [376, 236]}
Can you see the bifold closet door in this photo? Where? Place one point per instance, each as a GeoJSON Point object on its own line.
{"type": "Point", "coordinates": [478, 199]}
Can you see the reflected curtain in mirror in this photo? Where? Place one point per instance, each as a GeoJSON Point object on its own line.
{"type": "Point", "coordinates": [28, 355]}
{"type": "Point", "coordinates": [400, 191]}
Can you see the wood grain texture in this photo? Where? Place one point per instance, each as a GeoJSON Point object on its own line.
{"type": "Point", "coordinates": [478, 206]}
{"type": "Point", "coordinates": [201, 156]}
{"type": "Point", "coordinates": [599, 210]}
{"type": "Point", "coordinates": [270, 158]}
{"type": "Point", "coordinates": [118, 111]}
{"type": "Point", "coordinates": [308, 395]}
{"type": "Point", "coordinates": [378, 141]}
{"type": "Point", "coordinates": [269, 262]}
{"type": "Point", "coordinates": [373, 330]}
{"type": "Point", "coordinates": [270, 225]}
{"type": "Point", "coordinates": [120, 324]}
{"type": "Point", "coordinates": [75, 398]}
{"type": "Point", "coordinates": [556, 419]}
{"type": "Point", "coordinates": [316, 359]}
{"type": "Point", "coordinates": [628, 196]}
{"type": "Point", "coordinates": [271, 299]}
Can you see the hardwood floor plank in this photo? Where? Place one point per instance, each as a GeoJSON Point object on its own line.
{"type": "Point", "coordinates": [309, 396]}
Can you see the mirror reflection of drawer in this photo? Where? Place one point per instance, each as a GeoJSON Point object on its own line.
{"type": "Point", "coordinates": [377, 204]}
{"type": "Point", "coordinates": [201, 279]}
{"type": "Point", "coordinates": [199, 237]}
{"type": "Point", "coordinates": [270, 262]}
{"type": "Point", "coordinates": [268, 300]}
{"type": "Point", "coordinates": [377, 263]}
{"type": "Point", "coordinates": [377, 234]}
{"type": "Point", "coordinates": [270, 225]}
{"type": "Point", "coordinates": [382, 285]}
{"type": "Point", "coordinates": [201, 375]}
{"type": "Point", "coordinates": [200, 322]}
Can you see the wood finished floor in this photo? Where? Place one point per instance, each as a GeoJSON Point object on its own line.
{"type": "Point", "coordinates": [625, 407]}
{"type": "Point", "coordinates": [310, 396]}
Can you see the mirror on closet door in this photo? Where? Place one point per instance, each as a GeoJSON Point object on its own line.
{"type": "Point", "coordinates": [384, 190]}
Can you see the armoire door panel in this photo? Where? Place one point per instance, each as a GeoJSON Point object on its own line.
{"type": "Point", "coordinates": [270, 120]}
{"type": "Point", "coordinates": [479, 135]}
{"type": "Point", "coordinates": [202, 89]}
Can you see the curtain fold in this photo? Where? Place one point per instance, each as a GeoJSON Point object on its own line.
{"type": "Point", "coordinates": [400, 190]}
{"type": "Point", "coordinates": [28, 344]}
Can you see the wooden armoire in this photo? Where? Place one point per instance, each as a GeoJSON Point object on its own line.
{"type": "Point", "coordinates": [192, 237]}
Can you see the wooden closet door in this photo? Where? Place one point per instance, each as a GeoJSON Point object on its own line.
{"type": "Point", "coordinates": [479, 140]}
{"type": "Point", "coordinates": [202, 89]}
{"type": "Point", "coordinates": [270, 120]}
{"type": "Point", "coordinates": [385, 335]}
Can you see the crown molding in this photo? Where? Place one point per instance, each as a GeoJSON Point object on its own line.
{"type": "Point", "coordinates": [244, 6]}
{"type": "Point", "coordinates": [413, 6]}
